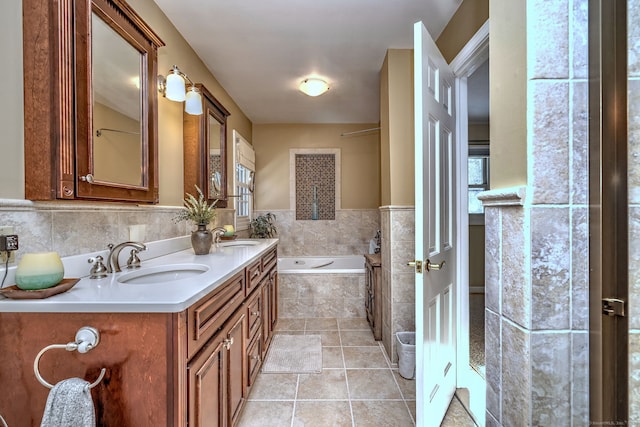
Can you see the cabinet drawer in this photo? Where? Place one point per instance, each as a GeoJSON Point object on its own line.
{"type": "Point", "coordinates": [254, 360]}
{"type": "Point", "coordinates": [254, 314]}
{"type": "Point", "coordinates": [208, 315]}
{"type": "Point", "coordinates": [253, 276]}
{"type": "Point", "coordinates": [269, 260]}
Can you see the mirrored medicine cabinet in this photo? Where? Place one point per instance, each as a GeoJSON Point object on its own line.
{"type": "Point", "coordinates": [90, 70]}
{"type": "Point", "coordinates": [205, 149]}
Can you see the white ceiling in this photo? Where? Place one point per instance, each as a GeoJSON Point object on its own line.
{"type": "Point", "coordinates": [260, 50]}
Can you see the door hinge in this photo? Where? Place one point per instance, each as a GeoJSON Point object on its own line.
{"type": "Point", "coordinates": [613, 307]}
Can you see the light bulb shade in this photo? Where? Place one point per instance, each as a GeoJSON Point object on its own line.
{"type": "Point", "coordinates": [175, 87]}
{"type": "Point", "coordinates": [193, 104]}
{"type": "Point", "coordinates": [313, 86]}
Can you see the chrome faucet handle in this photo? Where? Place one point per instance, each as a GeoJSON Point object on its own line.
{"type": "Point", "coordinates": [134, 260]}
{"type": "Point", "coordinates": [98, 269]}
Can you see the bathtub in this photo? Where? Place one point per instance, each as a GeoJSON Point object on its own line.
{"type": "Point", "coordinates": [348, 264]}
{"type": "Point", "coordinates": [321, 287]}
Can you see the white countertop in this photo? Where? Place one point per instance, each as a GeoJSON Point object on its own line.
{"type": "Point", "coordinates": [109, 296]}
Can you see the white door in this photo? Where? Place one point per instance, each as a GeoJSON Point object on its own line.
{"type": "Point", "coordinates": [435, 185]}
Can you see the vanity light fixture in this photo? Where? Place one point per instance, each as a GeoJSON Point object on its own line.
{"type": "Point", "coordinates": [173, 87]}
{"type": "Point", "coordinates": [313, 86]}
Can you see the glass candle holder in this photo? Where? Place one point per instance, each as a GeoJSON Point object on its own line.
{"type": "Point", "coordinates": [39, 271]}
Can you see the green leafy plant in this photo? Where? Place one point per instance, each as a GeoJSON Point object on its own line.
{"type": "Point", "coordinates": [263, 226]}
{"type": "Point", "coordinates": [197, 210]}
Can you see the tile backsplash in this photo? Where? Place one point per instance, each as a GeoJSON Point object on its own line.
{"type": "Point", "coordinates": [348, 234]}
{"type": "Point", "coordinates": [81, 227]}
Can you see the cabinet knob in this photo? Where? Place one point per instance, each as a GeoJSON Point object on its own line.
{"type": "Point", "coordinates": [227, 343]}
{"type": "Point", "coordinates": [255, 313]}
{"type": "Point", "coordinates": [87, 178]}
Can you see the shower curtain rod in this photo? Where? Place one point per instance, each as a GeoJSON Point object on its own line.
{"type": "Point", "coordinates": [359, 131]}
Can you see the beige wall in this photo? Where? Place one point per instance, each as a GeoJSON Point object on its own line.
{"type": "Point", "coordinates": [478, 133]}
{"type": "Point", "coordinates": [176, 51]}
{"type": "Point", "coordinates": [508, 76]}
{"type": "Point", "coordinates": [397, 135]}
{"type": "Point", "coordinates": [463, 25]}
{"type": "Point", "coordinates": [360, 161]}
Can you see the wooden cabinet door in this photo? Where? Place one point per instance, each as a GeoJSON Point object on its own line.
{"type": "Point", "coordinates": [266, 316]}
{"type": "Point", "coordinates": [236, 367]}
{"type": "Point", "coordinates": [206, 385]}
{"type": "Point", "coordinates": [273, 284]}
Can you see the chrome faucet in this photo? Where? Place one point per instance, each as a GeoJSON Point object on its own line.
{"type": "Point", "coordinates": [113, 265]}
{"type": "Point", "coordinates": [217, 233]}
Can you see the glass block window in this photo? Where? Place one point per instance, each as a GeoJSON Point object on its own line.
{"type": "Point", "coordinates": [478, 176]}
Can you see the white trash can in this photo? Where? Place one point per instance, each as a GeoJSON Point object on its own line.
{"type": "Point", "coordinates": [406, 354]}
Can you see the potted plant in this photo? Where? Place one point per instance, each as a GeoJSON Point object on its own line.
{"type": "Point", "coordinates": [263, 226]}
{"type": "Point", "coordinates": [201, 213]}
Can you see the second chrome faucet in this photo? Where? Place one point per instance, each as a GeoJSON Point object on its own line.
{"type": "Point", "coordinates": [113, 264]}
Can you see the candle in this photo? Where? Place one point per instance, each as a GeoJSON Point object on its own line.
{"type": "Point", "coordinates": [229, 230]}
{"type": "Point", "coordinates": [39, 271]}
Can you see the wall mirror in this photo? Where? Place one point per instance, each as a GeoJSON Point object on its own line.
{"type": "Point", "coordinates": [117, 138]}
{"type": "Point", "coordinates": [100, 127]}
{"type": "Point", "coordinates": [205, 157]}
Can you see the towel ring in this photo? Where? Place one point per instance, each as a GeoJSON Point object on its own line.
{"type": "Point", "coordinates": [87, 338]}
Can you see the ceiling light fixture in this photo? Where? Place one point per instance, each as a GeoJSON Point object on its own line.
{"type": "Point", "coordinates": [173, 87]}
{"type": "Point", "coordinates": [313, 86]}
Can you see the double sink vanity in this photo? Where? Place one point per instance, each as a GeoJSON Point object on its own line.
{"type": "Point", "coordinates": [182, 338]}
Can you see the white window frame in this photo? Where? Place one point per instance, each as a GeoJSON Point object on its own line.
{"type": "Point", "coordinates": [241, 148]}
{"type": "Point", "coordinates": [476, 151]}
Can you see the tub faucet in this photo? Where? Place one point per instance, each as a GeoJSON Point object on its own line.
{"type": "Point", "coordinates": [217, 232]}
{"type": "Point", "coordinates": [113, 265]}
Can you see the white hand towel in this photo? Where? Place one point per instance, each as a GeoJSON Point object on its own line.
{"type": "Point", "coordinates": [69, 404]}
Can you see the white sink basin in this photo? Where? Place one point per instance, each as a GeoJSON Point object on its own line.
{"type": "Point", "coordinates": [162, 274]}
{"type": "Point", "coordinates": [239, 243]}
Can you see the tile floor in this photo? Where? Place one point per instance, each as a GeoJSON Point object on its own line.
{"type": "Point", "coordinates": [357, 386]}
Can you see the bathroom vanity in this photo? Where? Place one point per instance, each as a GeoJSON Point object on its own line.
{"type": "Point", "coordinates": [176, 353]}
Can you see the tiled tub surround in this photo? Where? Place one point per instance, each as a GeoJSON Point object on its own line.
{"type": "Point", "coordinates": [398, 279]}
{"type": "Point", "coordinates": [83, 227]}
{"type": "Point", "coordinates": [348, 234]}
{"type": "Point", "coordinates": [321, 295]}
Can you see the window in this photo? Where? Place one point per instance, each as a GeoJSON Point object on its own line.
{"type": "Point", "coordinates": [478, 176]}
{"type": "Point", "coordinates": [243, 196]}
{"type": "Point", "coordinates": [244, 173]}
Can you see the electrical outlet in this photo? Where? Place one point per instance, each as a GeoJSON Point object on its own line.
{"type": "Point", "coordinates": [8, 231]}
{"type": "Point", "coordinates": [3, 257]}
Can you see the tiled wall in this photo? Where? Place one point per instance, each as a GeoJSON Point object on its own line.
{"type": "Point", "coordinates": [398, 279]}
{"type": "Point", "coordinates": [537, 239]}
{"type": "Point", "coordinates": [77, 228]}
{"type": "Point", "coordinates": [348, 234]}
{"type": "Point", "coordinates": [315, 171]}
{"type": "Point", "coordinates": [633, 6]}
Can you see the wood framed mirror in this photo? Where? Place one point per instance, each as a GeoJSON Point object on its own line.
{"type": "Point", "coordinates": [90, 70]}
{"type": "Point", "coordinates": [205, 149]}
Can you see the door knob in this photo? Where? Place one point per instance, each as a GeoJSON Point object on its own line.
{"type": "Point", "coordinates": [431, 266]}
{"type": "Point", "coordinates": [417, 264]}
